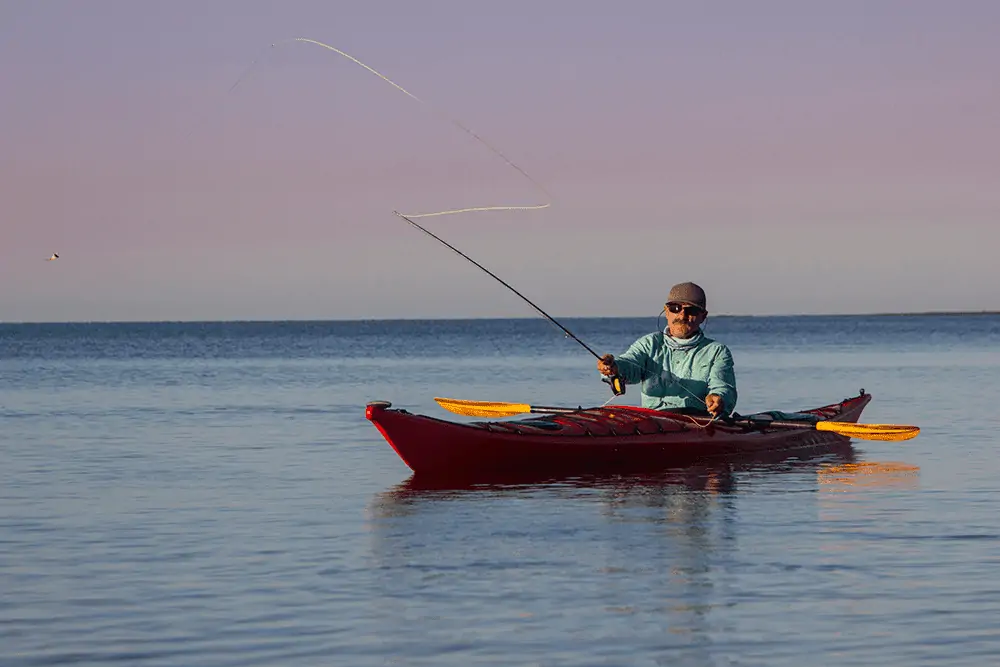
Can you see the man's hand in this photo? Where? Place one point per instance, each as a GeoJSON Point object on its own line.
{"type": "Point", "coordinates": [606, 365]}
{"type": "Point", "coordinates": [714, 404]}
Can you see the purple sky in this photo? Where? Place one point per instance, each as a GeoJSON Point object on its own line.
{"type": "Point", "coordinates": [791, 157]}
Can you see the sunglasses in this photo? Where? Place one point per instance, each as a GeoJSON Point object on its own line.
{"type": "Point", "coordinates": [694, 311]}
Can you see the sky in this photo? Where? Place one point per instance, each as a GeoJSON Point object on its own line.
{"type": "Point", "coordinates": [188, 161]}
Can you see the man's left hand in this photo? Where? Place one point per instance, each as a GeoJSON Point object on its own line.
{"type": "Point", "coordinates": [714, 404]}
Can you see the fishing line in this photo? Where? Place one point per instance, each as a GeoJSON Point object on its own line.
{"type": "Point", "coordinates": [450, 119]}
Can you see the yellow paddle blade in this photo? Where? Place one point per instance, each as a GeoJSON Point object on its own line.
{"type": "Point", "coordinates": [892, 432]}
{"type": "Point", "coordinates": [482, 408]}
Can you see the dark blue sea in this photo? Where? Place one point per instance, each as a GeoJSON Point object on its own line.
{"type": "Point", "coordinates": [209, 494]}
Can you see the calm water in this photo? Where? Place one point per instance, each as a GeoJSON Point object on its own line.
{"type": "Point", "coordinates": [211, 494]}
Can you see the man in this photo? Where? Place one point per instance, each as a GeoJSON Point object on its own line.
{"type": "Point", "coordinates": [680, 369]}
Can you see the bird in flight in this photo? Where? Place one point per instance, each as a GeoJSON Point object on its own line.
{"type": "Point", "coordinates": [54, 256]}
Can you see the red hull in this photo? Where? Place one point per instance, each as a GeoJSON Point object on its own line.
{"type": "Point", "coordinates": [595, 439]}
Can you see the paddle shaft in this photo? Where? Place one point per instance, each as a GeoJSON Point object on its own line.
{"type": "Point", "coordinates": [763, 423]}
{"type": "Point", "coordinates": [541, 409]}
{"type": "Point", "coordinates": [752, 423]}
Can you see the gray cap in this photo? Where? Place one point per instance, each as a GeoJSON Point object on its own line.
{"type": "Point", "coordinates": [688, 293]}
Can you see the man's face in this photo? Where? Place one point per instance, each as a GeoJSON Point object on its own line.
{"type": "Point", "coordinates": [684, 320]}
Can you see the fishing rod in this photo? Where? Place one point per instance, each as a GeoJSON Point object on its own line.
{"type": "Point", "coordinates": [616, 383]}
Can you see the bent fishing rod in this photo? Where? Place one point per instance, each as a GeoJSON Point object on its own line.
{"type": "Point", "coordinates": [616, 383]}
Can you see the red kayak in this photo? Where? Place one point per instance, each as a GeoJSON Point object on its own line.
{"type": "Point", "coordinates": [601, 439]}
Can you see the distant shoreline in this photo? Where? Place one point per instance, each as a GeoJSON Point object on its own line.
{"type": "Point", "coordinates": [962, 313]}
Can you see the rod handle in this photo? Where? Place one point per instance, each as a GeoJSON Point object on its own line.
{"type": "Point", "coordinates": [616, 383]}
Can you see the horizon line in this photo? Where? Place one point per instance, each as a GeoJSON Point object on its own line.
{"type": "Point", "coordinates": [935, 313]}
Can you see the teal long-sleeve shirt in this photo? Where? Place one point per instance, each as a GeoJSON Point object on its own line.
{"type": "Point", "coordinates": [673, 378]}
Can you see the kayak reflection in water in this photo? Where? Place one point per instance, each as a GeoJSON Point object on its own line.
{"type": "Point", "coordinates": [680, 369]}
